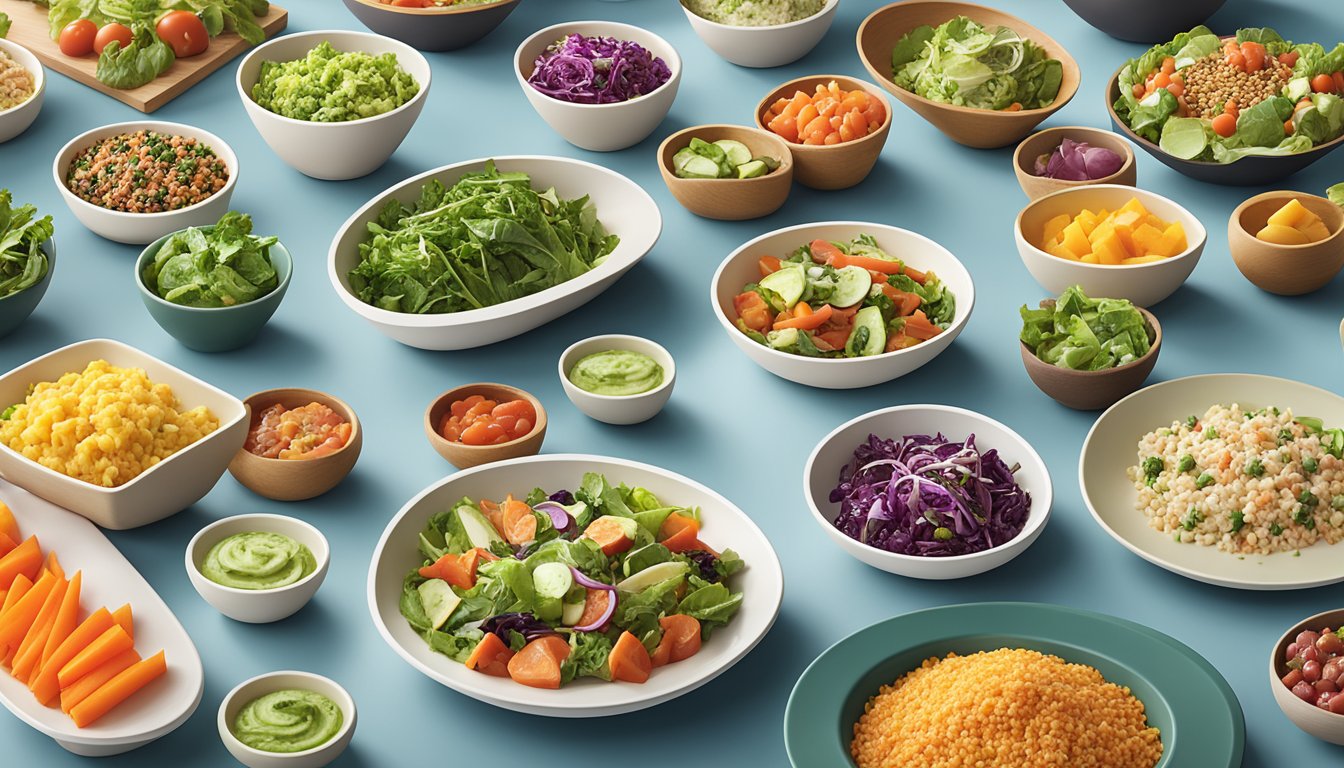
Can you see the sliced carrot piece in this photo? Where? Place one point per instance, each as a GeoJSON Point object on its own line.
{"type": "Point", "coordinates": [8, 525]}
{"type": "Point", "coordinates": [15, 593]}
{"type": "Point", "coordinates": [494, 513]}
{"type": "Point", "coordinates": [450, 568]}
{"type": "Point", "coordinates": [30, 650]}
{"type": "Point", "coordinates": [15, 623]}
{"type": "Point", "coordinates": [768, 265]}
{"type": "Point", "coordinates": [683, 540]}
{"type": "Point", "coordinates": [123, 618]}
{"type": "Point", "coordinates": [7, 544]}
{"type": "Point", "coordinates": [919, 327]}
{"type": "Point", "coordinates": [595, 603]}
{"type": "Point", "coordinates": [629, 661]}
{"type": "Point", "coordinates": [520, 525]}
{"type": "Point", "coordinates": [609, 535]}
{"type": "Point", "coordinates": [107, 645]}
{"type": "Point", "coordinates": [47, 686]}
{"type": "Point", "coordinates": [662, 655]}
{"type": "Point", "coordinates": [490, 656]}
{"type": "Point", "coordinates": [67, 618]}
{"type": "Point", "coordinates": [54, 565]}
{"type": "Point", "coordinates": [682, 632]}
{"type": "Point", "coordinates": [118, 689]}
{"type": "Point", "coordinates": [25, 558]}
{"type": "Point", "coordinates": [807, 321]}
{"type": "Point", "coordinates": [675, 522]}
{"type": "Point", "coordinates": [538, 664]}
{"type": "Point", "coordinates": [95, 679]}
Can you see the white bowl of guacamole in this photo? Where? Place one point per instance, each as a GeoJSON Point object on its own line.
{"type": "Point", "coordinates": [257, 568]}
{"type": "Point", "coordinates": [760, 33]}
{"type": "Point", "coordinates": [618, 379]}
{"type": "Point", "coordinates": [287, 719]}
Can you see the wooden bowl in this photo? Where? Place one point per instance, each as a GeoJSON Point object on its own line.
{"type": "Point", "coordinates": [465, 456]}
{"type": "Point", "coordinates": [980, 128]}
{"type": "Point", "coordinates": [1288, 270]}
{"type": "Point", "coordinates": [838, 166]}
{"type": "Point", "coordinates": [432, 29]}
{"type": "Point", "coordinates": [1094, 390]}
{"type": "Point", "coordinates": [1251, 171]}
{"type": "Point", "coordinates": [730, 199]}
{"type": "Point", "coordinates": [296, 479]}
{"type": "Point", "coordinates": [1043, 142]}
{"type": "Point", "coordinates": [1144, 21]}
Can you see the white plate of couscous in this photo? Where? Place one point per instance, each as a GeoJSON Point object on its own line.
{"type": "Point", "coordinates": [1230, 479]}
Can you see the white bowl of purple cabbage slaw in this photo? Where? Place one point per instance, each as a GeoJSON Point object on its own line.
{"type": "Point", "coordinates": [836, 451]}
{"type": "Point", "coordinates": [600, 127]}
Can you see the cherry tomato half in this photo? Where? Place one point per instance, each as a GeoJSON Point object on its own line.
{"type": "Point", "coordinates": [77, 38]}
{"type": "Point", "coordinates": [113, 31]}
{"type": "Point", "coordinates": [184, 32]}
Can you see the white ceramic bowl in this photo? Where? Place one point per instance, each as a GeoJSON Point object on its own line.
{"type": "Point", "coordinates": [164, 489]}
{"type": "Point", "coordinates": [623, 207]}
{"type": "Point", "coordinates": [257, 606]}
{"type": "Point", "coordinates": [840, 373]}
{"type": "Point", "coordinates": [618, 409]}
{"type": "Point", "coordinates": [142, 228]}
{"type": "Point", "coordinates": [836, 450]}
{"type": "Point", "coordinates": [1326, 726]}
{"type": "Point", "coordinates": [762, 581]}
{"type": "Point", "coordinates": [249, 690]}
{"type": "Point", "coordinates": [600, 127]}
{"type": "Point", "coordinates": [16, 119]}
{"type": "Point", "coordinates": [108, 580]}
{"type": "Point", "coordinates": [333, 151]}
{"type": "Point", "coordinates": [1143, 284]}
{"type": "Point", "coordinates": [771, 46]}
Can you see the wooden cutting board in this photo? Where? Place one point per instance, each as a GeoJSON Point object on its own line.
{"type": "Point", "coordinates": [30, 30]}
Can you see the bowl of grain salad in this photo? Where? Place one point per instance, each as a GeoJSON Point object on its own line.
{"type": "Point", "coordinates": [114, 434]}
{"type": "Point", "coordinates": [23, 83]}
{"type": "Point", "coordinates": [760, 33]}
{"type": "Point", "coordinates": [136, 182]}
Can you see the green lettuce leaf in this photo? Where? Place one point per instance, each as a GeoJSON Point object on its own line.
{"type": "Point", "coordinates": [138, 63]}
{"type": "Point", "coordinates": [23, 263]}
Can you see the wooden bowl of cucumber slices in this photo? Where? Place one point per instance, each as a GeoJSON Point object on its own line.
{"type": "Point", "coordinates": [727, 172]}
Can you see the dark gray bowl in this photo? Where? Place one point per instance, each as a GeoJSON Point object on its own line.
{"type": "Point", "coordinates": [1144, 21]}
{"type": "Point", "coordinates": [1246, 172]}
{"type": "Point", "coordinates": [16, 308]}
{"type": "Point", "coordinates": [432, 29]}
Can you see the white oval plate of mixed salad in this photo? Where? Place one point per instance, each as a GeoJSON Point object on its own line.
{"type": "Point", "coordinates": [572, 586]}
{"type": "Point", "coordinates": [480, 251]}
{"type": "Point", "coordinates": [1248, 497]}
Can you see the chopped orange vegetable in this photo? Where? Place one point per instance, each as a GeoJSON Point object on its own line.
{"type": "Point", "coordinates": [8, 525]}
{"type": "Point", "coordinates": [804, 318]}
{"type": "Point", "coordinates": [477, 421]}
{"type": "Point", "coordinates": [107, 645]}
{"type": "Point", "coordinates": [490, 656]}
{"type": "Point", "coordinates": [681, 635]}
{"type": "Point", "coordinates": [629, 660]}
{"type": "Point", "coordinates": [7, 544]}
{"type": "Point", "coordinates": [458, 570]}
{"type": "Point", "coordinates": [117, 690]}
{"type": "Point", "coordinates": [122, 617]}
{"type": "Point", "coordinates": [676, 522]}
{"type": "Point", "coordinates": [16, 622]}
{"type": "Point", "coordinates": [520, 525]}
{"type": "Point", "coordinates": [47, 686]}
{"type": "Point", "coordinates": [54, 566]}
{"type": "Point", "coordinates": [683, 540]}
{"type": "Point", "coordinates": [30, 650]}
{"type": "Point", "coordinates": [595, 602]}
{"type": "Point", "coordinates": [609, 535]}
{"type": "Point", "coordinates": [538, 664]}
{"type": "Point", "coordinates": [830, 115]}
{"type": "Point", "coordinates": [95, 679]}
{"type": "Point", "coordinates": [25, 559]}
{"type": "Point", "coordinates": [67, 618]}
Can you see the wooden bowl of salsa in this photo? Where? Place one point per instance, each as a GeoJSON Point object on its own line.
{"type": "Point", "coordinates": [300, 443]}
{"type": "Point", "coordinates": [512, 424]}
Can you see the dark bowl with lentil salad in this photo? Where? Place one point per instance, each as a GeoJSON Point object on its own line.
{"type": "Point", "coordinates": [136, 182]}
{"type": "Point", "coordinates": [1253, 170]}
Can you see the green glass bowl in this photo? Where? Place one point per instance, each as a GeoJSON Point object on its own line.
{"type": "Point", "coordinates": [16, 307]}
{"type": "Point", "coordinates": [214, 329]}
{"type": "Point", "coordinates": [1184, 697]}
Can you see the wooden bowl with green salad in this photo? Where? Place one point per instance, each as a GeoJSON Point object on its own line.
{"type": "Point", "coordinates": [739, 184]}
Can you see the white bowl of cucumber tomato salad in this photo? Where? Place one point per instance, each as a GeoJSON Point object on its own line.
{"type": "Point", "coordinates": [842, 304]}
{"type": "Point", "coordinates": [572, 586]}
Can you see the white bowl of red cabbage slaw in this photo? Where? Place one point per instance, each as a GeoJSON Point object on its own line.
{"type": "Point", "coordinates": [911, 461]}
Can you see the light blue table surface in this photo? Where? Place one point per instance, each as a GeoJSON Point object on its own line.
{"type": "Point", "coordinates": [730, 424]}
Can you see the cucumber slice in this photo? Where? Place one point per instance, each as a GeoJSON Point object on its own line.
{"type": "Point", "coordinates": [552, 580]}
{"type": "Point", "coordinates": [699, 167]}
{"type": "Point", "coordinates": [713, 152]}
{"type": "Point", "coordinates": [682, 157]}
{"type": "Point", "coordinates": [645, 557]}
{"type": "Point", "coordinates": [751, 169]}
{"type": "Point", "coordinates": [770, 162]}
{"type": "Point", "coordinates": [478, 529]}
{"type": "Point", "coordinates": [869, 336]}
{"type": "Point", "coordinates": [851, 286]}
{"type": "Point", "coordinates": [737, 152]}
{"type": "Point", "coordinates": [571, 613]}
{"type": "Point", "coordinates": [439, 601]}
{"type": "Point", "coordinates": [789, 283]}
{"type": "Point", "coordinates": [654, 574]}
{"type": "Point", "coordinates": [784, 338]}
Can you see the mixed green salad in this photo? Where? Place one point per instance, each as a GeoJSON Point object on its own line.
{"type": "Point", "coordinates": [852, 299]}
{"type": "Point", "coordinates": [606, 581]}
{"type": "Point", "coordinates": [331, 86]}
{"type": "Point", "coordinates": [1209, 99]}
{"type": "Point", "coordinates": [1085, 334]}
{"type": "Point", "coordinates": [488, 239]}
{"type": "Point", "coordinates": [217, 266]}
{"type": "Point", "coordinates": [23, 263]}
{"type": "Point", "coordinates": [963, 63]}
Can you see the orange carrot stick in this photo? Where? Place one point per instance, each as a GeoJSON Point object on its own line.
{"type": "Point", "coordinates": [95, 679]}
{"type": "Point", "coordinates": [16, 622]}
{"type": "Point", "coordinates": [117, 690]}
{"type": "Point", "coordinates": [30, 650]}
{"type": "Point", "coordinates": [16, 592]}
{"type": "Point", "coordinates": [108, 644]}
{"type": "Point", "coordinates": [25, 558]}
{"type": "Point", "coordinates": [8, 525]}
{"type": "Point", "coordinates": [47, 686]}
{"type": "Point", "coordinates": [54, 565]}
{"type": "Point", "coordinates": [67, 618]}
{"type": "Point", "coordinates": [123, 619]}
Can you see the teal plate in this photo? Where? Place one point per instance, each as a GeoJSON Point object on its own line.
{"type": "Point", "coordinates": [1185, 697]}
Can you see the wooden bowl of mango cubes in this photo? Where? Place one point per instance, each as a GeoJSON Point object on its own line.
{"type": "Point", "coordinates": [1114, 241]}
{"type": "Point", "coordinates": [1286, 242]}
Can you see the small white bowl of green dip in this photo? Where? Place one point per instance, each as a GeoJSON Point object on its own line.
{"type": "Point", "coordinates": [258, 568]}
{"type": "Point", "coordinates": [287, 719]}
{"type": "Point", "coordinates": [618, 379]}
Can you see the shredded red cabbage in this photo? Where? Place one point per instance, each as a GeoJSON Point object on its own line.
{"type": "Point", "coordinates": [525, 624]}
{"type": "Point", "coordinates": [929, 496]}
{"type": "Point", "coordinates": [597, 70]}
{"type": "Point", "coordinates": [562, 497]}
{"type": "Point", "coordinates": [1078, 161]}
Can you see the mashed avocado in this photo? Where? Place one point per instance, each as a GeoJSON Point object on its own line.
{"type": "Point", "coordinates": [754, 13]}
{"type": "Point", "coordinates": [258, 560]}
{"type": "Point", "coordinates": [618, 372]}
{"type": "Point", "coordinates": [331, 86]}
{"type": "Point", "coordinates": [288, 721]}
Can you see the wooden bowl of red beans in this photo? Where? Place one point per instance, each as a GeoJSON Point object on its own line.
{"type": "Point", "coordinates": [1307, 675]}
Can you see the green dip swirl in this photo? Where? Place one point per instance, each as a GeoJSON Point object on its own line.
{"type": "Point", "coordinates": [618, 372]}
{"type": "Point", "coordinates": [288, 721]}
{"type": "Point", "coordinates": [258, 560]}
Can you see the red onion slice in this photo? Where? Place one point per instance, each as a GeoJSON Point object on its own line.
{"type": "Point", "coordinates": [559, 517]}
{"type": "Point", "coordinates": [589, 582]}
{"type": "Point", "coordinates": [604, 618]}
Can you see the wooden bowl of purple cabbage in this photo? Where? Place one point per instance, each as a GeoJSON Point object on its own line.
{"type": "Point", "coordinates": [1072, 156]}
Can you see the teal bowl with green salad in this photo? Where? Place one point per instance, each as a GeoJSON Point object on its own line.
{"type": "Point", "coordinates": [25, 265]}
{"type": "Point", "coordinates": [214, 288]}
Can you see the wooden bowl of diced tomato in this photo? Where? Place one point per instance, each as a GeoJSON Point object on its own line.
{"type": "Point", "coordinates": [482, 423]}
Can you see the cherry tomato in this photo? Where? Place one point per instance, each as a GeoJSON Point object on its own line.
{"type": "Point", "coordinates": [1289, 58]}
{"type": "Point", "coordinates": [113, 31]}
{"type": "Point", "coordinates": [184, 32]}
{"type": "Point", "coordinates": [1322, 83]}
{"type": "Point", "coordinates": [77, 38]}
{"type": "Point", "coordinates": [1225, 125]}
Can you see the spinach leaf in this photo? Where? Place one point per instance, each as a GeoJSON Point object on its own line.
{"type": "Point", "coordinates": [23, 263]}
{"type": "Point", "coordinates": [219, 266]}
